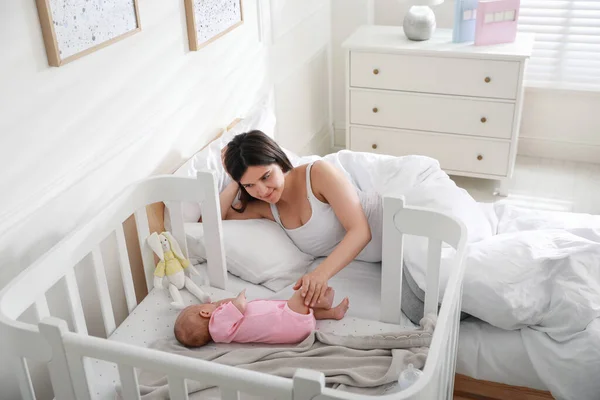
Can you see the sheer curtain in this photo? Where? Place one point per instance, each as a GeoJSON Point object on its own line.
{"type": "Point", "coordinates": [567, 43]}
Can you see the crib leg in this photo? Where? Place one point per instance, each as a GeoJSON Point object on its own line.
{"type": "Point", "coordinates": [196, 291]}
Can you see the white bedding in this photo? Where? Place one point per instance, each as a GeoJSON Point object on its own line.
{"type": "Point", "coordinates": [537, 271]}
{"type": "Point", "coordinates": [492, 354]}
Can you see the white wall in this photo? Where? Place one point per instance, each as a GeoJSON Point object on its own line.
{"type": "Point", "coordinates": [559, 124]}
{"type": "Point", "coordinates": [301, 57]}
{"type": "Point", "coordinates": [72, 137]}
{"type": "Point", "coordinates": [346, 16]}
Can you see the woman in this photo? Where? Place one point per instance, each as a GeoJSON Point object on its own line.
{"type": "Point", "coordinates": [316, 205]}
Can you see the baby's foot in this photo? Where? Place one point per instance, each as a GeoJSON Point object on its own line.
{"type": "Point", "coordinates": [340, 310]}
{"type": "Point", "coordinates": [327, 302]}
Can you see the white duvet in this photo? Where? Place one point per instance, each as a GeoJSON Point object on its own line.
{"type": "Point", "coordinates": [541, 274]}
{"type": "Point", "coordinates": [535, 271]}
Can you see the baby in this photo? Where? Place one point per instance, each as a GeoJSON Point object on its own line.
{"type": "Point", "coordinates": [257, 321]}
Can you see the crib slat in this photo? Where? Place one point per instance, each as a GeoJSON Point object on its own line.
{"type": "Point", "coordinates": [452, 354]}
{"type": "Point", "coordinates": [143, 229]}
{"type": "Point", "coordinates": [24, 378]}
{"type": "Point", "coordinates": [125, 267]}
{"type": "Point", "coordinates": [432, 288]}
{"type": "Point", "coordinates": [129, 381]}
{"type": "Point", "coordinates": [177, 227]}
{"type": "Point", "coordinates": [41, 308]}
{"type": "Point", "coordinates": [215, 250]}
{"type": "Point", "coordinates": [178, 388]}
{"type": "Point", "coordinates": [229, 394]}
{"type": "Point", "coordinates": [79, 368]}
{"type": "Point", "coordinates": [75, 303]}
{"type": "Point", "coordinates": [108, 316]}
{"type": "Point", "coordinates": [392, 262]}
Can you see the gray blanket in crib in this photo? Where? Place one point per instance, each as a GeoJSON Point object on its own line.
{"type": "Point", "coordinates": [360, 364]}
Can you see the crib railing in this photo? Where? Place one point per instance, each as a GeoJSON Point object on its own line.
{"type": "Point", "coordinates": [68, 353]}
{"type": "Point", "coordinates": [30, 287]}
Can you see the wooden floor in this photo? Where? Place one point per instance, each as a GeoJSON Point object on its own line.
{"type": "Point", "coordinates": [466, 388]}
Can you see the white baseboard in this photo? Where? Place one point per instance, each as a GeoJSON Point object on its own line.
{"type": "Point", "coordinates": [558, 149]}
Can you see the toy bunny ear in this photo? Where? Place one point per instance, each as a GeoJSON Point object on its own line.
{"type": "Point", "coordinates": [174, 245]}
{"type": "Point", "coordinates": [154, 243]}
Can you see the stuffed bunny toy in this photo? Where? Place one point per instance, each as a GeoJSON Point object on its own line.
{"type": "Point", "coordinates": [172, 266]}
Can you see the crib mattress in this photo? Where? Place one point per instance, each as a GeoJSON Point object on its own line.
{"type": "Point", "coordinates": [154, 317]}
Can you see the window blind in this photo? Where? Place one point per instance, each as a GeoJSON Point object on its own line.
{"type": "Point", "coordinates": [566, 53]}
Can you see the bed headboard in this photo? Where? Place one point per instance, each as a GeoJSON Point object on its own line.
{"type": "Point", "coordinates": [156, 214]}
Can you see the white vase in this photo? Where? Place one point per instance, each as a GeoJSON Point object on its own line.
{"type": "Point", "coordinates": [419, 23]}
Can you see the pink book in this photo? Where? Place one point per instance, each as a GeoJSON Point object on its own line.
{"type": "Point", "coordinates": [496, 21]}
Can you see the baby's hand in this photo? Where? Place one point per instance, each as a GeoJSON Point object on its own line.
{"type": "Point", "coordinates": [240, 301]}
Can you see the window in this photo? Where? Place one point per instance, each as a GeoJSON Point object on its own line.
{"type": "Point", "coordinates": [566, 53]}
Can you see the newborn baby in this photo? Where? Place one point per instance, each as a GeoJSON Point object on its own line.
{"type": "Point", "coordinates": [257, 321]}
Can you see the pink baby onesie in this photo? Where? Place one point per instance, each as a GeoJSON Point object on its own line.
{"type": "Point", "coordinates": [265, 321]}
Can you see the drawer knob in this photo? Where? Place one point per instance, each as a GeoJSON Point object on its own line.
{"type": "Point", "coordinates": [480, 157]}
{"type": "Point", "coordinates": [375, 71]}
{"type": "Point", "coordinates": [483, 120]}
{"type": "Point", "coordinates": [374, 146]}
{"type": "Point", "coordinates": [375, 109]}
{"type": "Point", "coordinates": [487, 79]}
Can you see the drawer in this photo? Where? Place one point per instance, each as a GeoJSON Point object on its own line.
{"type": "Point", "coordinates": [467, 116]}
{"type": "Point", "coordinates": [456, 153]}
{"type": "Point", "coordinates": [443, 75]}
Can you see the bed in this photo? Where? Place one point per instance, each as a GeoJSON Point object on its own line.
{"type": "Point", "coordinates": [492, 363]}
{"type": "Point", "coordinates": [84, 367]}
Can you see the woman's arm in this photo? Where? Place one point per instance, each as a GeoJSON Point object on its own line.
{"type": "Point", "coordinates": [331, 185]}
{"type": "Point", "coordinates": [227, 197]}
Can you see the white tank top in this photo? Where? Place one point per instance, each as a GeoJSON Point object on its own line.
{"type": "Point", "coordinates": [323, 231]}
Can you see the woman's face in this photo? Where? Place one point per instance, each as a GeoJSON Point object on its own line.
{"type": "Point", "coordinates": [264, 182]}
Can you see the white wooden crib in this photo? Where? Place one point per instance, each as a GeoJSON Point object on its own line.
{"type": "Point", "coordinates": [68, 353]}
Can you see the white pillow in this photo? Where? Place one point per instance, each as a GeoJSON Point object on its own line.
{"type": "Point", "coordinates": [256, 250]}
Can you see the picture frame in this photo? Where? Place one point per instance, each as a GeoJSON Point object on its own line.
{"type": "Point", "coordinates": [208, 20]}
{"type": "Point", "coordinates": [497, 22]}
{"type": "Point", "coordinates": [74, 29]}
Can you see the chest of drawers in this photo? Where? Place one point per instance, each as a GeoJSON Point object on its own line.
{"type": "Point", "coordinates": [456, 102]}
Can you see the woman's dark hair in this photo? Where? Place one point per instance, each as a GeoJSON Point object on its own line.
{"type": "Point", "coordinates": [252, 149]}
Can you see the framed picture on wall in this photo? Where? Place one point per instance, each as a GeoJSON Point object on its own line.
{"type": "Point", "coordinates": [75, 28]}
{"type": "Point", "coordinates": [208, 20]}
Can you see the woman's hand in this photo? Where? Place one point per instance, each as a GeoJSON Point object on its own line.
{"type": "Point", "coordinates": [313, 286]}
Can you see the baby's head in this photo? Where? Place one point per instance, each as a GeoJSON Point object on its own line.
{"type": "Point", "coordinates": [191, 326]}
